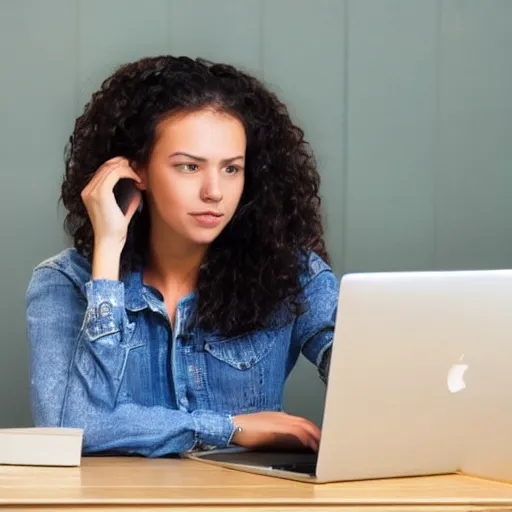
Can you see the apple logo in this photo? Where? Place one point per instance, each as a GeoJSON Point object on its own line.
{"type": "Point", "coordinates": [456, 376]}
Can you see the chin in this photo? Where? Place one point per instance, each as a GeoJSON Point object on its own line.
{"type": "Point", "coordinates": [204, 238]}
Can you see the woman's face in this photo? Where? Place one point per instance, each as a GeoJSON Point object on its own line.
{"type": "Point", "coordinates": [195, 177]}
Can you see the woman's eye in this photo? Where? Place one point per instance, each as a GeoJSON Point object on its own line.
{"type": "Point", "coordinates": [232, 169]}
{"type": "Point", "coordinates": [188, 167]}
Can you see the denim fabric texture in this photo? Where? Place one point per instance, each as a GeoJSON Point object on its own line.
{"type": "Point", "coordinates": [105, 358]}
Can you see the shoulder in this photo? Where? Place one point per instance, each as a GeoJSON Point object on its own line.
{"type": "Point", "coordinates": [67, 265]}
{"type": "Point", "coordinates": [315, 264]}
{"type": "Point", "coordinates": [319, 284]}
{"type": "Point", "coordinates": [312, 266]}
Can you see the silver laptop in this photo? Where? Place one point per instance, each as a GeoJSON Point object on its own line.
{"type": "Point", "coordinates": [420, 382]}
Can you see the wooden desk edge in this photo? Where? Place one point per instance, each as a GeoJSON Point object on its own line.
{"type": "Point", "coordinates": [490, 503]}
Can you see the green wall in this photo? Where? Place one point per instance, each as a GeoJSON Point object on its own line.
{"type": "Point", "coordinates": [407, 104]}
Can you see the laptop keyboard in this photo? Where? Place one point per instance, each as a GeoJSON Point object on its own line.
{"type": "Point", "coordinates": [298, 462]}
{"type": "Point", "coordinates": [305, 467]}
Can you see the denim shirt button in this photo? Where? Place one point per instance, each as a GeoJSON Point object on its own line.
{"type": "Point", "coordinates": [316, 266]}
{"type": "Point", "coordinates": [104, 309]}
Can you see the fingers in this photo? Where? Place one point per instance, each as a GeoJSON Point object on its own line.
{"type": "Point", "coordinates": [109, 174]}
{"type": "Point", "coordinates": [306, 431]}
{"type": "Point", "coordinates": [307, 439]}
{"type": "Point", "coordinates": [309, 426]}
{"type": "Point", "coordinates": [312, 429]}
{"type": "Point", "coordinates": [294, 437]}
{"type": "Point", "coordinates": [272, 428]}
{"type": "Point", "coordinates": [100, 172]}
{"type": "Point", "coordinates": [290, 440]}
{"type": "Point", "coordinates": [114, 174]}
{"type": "Point", "coordinates": [303, 436]}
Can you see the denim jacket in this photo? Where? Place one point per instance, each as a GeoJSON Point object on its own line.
{"type": "Point", "coordinates": [105, 358]}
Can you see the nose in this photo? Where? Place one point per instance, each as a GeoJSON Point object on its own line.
{"type": "Point", "coordinates": [211, 188]}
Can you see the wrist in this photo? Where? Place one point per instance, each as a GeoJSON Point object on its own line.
{"type": "Point", "coordinates": [237, 430]}
{"type": "Point", "coordinates": [106, 261]}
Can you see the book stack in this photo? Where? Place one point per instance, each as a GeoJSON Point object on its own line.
{"type": "Point", "coordinates": [41, 446]}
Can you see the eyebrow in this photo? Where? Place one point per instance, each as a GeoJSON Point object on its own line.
{"type": "Point", "coordinates": [202, 159]}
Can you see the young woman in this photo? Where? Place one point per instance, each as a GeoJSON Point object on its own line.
{"type": "Point", "coordinates": [198, 273]}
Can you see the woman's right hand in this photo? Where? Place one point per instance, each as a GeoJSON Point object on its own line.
{"type": "Point", "coordinates": [272, 429]}
{"type": "Point", "coordinates": [109, 223]}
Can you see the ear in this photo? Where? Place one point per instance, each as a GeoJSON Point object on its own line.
{"type": "Point", "coordinates": [142, 173]}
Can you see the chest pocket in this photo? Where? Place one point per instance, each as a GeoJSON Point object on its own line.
{"type": "Point", "coordinates": [241, 352]}
{"type": "Point", "coordinates": [239, 371]}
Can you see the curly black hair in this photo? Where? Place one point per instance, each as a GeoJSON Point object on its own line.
{"type": "Point", "coordinates": [253, 267]}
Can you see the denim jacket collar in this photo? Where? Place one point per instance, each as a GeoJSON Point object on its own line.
{"type": "Point", "coordinates": [139, 296]}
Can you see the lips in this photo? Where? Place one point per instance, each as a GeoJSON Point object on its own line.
{"type": "Point", "coordinates": [207, 219]}
{"type": "Point", "coordinates": [209, 213]}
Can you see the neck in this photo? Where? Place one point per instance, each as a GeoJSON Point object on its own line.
{"type": "Point", "coordinates": [172, 265]}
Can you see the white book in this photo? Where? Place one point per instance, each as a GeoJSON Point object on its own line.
{"type": "Point", "coordinates": [41, 446]}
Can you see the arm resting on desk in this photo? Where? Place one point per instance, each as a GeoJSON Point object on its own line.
{"type": "Point", "coordinates": [78, 350]}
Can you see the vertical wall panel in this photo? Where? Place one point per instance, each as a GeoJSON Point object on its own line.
{"type": "Point", "coordinates": [37, 51]}
{"type": "Point", "coordinates": [389, 223]}
{"type": "Point", "coordinates": [474, 177]}
{"type": "Point", "coordinates": [222, 31]}
{"type": "Point", "coordinates": [114, 32]}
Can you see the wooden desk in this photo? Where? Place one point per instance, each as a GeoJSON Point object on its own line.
{"type": "Point", "coordinates": [116, 484]}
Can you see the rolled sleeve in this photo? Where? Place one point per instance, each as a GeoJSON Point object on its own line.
{"type": "Point", "coordinates": [325, 364]}
{"type": "Point", "coordinates": [212, 429]}
{"type": "Point", "coordinates": [317, 346]}
{"type": "Point", "coordinates": [105, 308]}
